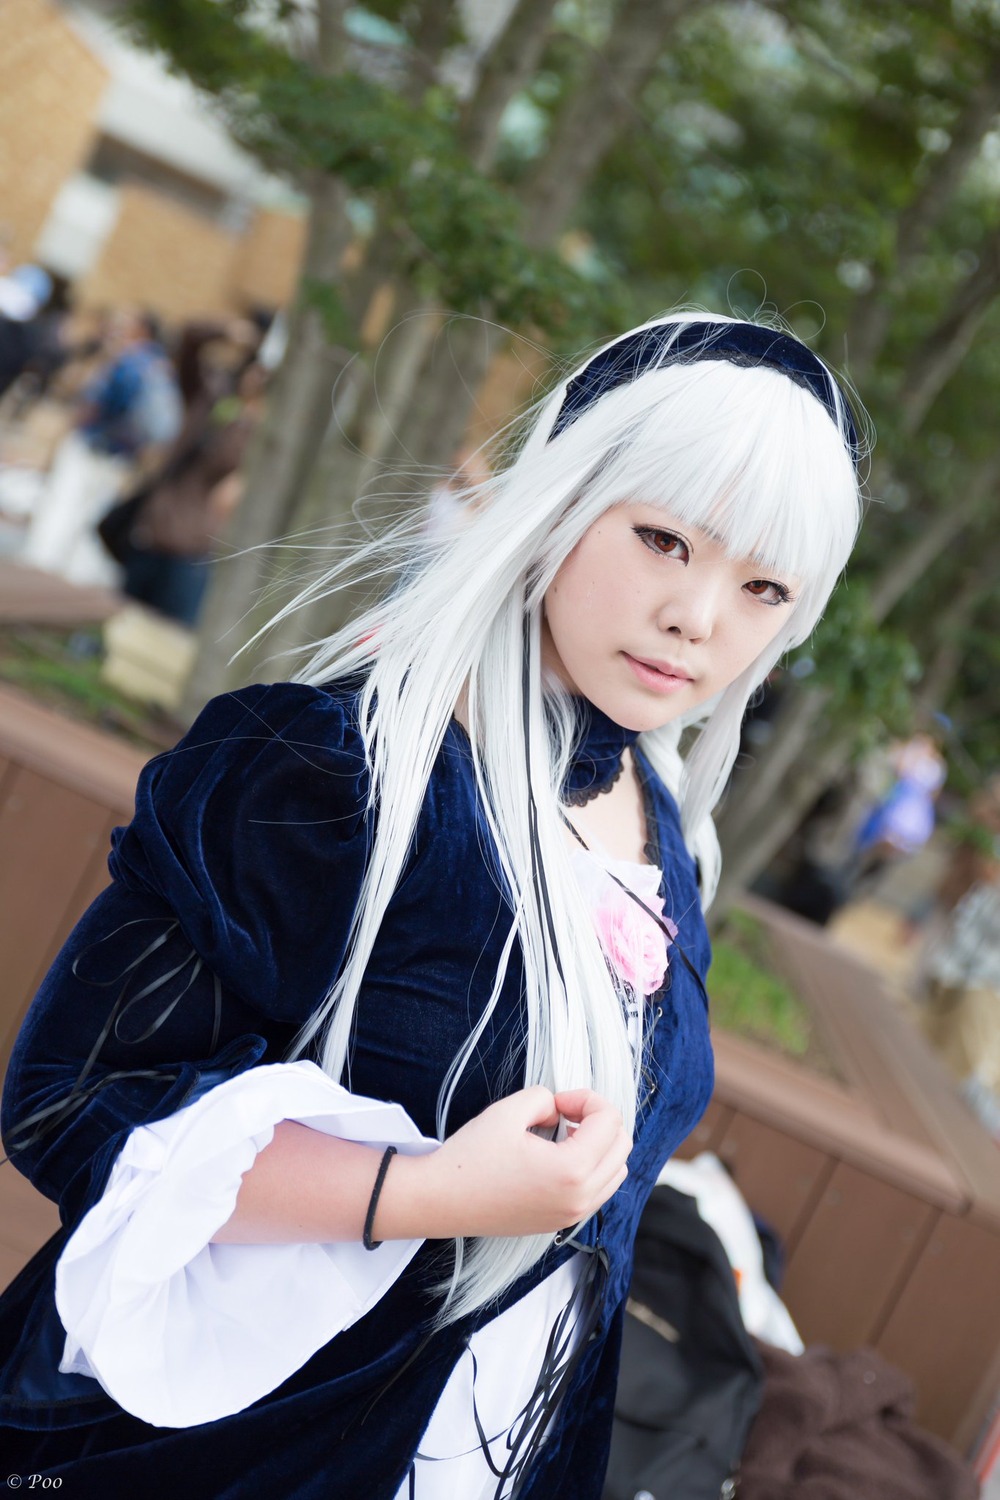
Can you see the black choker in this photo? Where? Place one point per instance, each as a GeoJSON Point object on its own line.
{"type": "Point", "coordinates": [580, 796]}
{"type": "Point", "coordinates": [597, 759]}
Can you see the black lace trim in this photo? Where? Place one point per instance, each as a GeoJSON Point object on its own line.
{"type": "Point", "coordinates": [580, 796]}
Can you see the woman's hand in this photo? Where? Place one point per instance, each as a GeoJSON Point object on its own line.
{"type": "Point", "coordinates": [496, 1177]}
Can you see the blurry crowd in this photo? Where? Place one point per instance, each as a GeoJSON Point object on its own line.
{"type": "Point", "coordinates": [121, 441]}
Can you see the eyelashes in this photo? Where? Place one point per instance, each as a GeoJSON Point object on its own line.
{"type": "Point", "coordinates": [654, 536]}
{"type": "Point", "coordinates": [780, 593]}
{"type": "Point", "coordinates": [671, 544]}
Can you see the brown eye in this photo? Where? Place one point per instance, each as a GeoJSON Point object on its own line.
{"type": "Point", "coordinates": [665, 543]}
{"type": "Point", "coordinates": [767, 591]}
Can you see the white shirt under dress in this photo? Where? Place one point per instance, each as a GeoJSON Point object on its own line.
{"type": "Point", "coordinates": [180, 1331]}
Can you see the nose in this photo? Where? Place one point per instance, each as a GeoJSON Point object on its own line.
{"type": "Point", "coordinates": [691, 611]}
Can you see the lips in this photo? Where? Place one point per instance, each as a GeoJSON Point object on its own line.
{"type": "Point", "coordinates": [662, 677]}
{"type": "Point", "coordinates": [666, 668]}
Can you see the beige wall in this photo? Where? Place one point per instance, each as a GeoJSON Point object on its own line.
{"type": "Point", "coordinates": [161, 253]}
{"type": "Point", "coordinates": [166, 256]}
{"type": "Point", "coordinates": [50, 87]}
{"type": "Point", "coordinates": [268, 257]}
{"type": "Point", "coordinates": [163, 256]}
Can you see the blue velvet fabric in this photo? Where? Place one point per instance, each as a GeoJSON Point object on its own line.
{"type": "Point", "coordinates": [223, 928]}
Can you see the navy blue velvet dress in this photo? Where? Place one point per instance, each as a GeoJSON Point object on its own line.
{"type": "Point", "coordinates": [223, 928]}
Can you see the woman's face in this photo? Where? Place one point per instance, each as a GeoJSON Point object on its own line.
{"type": "Point", "coordinates": [648, 618]}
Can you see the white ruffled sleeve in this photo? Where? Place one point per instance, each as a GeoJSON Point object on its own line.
{"type": "Point", "coordinates": [180, 1331]}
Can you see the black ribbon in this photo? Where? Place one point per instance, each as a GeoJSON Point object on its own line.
{"type": "Point", "coordinates": [53, 1115]}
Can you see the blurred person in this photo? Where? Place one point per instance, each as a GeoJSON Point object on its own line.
{"type": "Point", "coordinates": [179, 519]}
{"type": "Point", "coordinates": [24, 294]}
{"type": "Point", "coordinates": [126, 417]}
{"type": "Point", "coordinates": [960, 962]}
{"type": "Point", "coordinates": [903, 820]}
{"type": "Point", "coordinates": [164, 532]}
{"type": "Point", "coordinates": [210, 357]}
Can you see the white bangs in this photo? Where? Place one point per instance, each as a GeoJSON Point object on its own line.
{"type": "Point", "coordinates": [745, 454]}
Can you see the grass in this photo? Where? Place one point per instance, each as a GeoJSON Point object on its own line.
{"type": "Point", "coordinates": [62, 669]}
{"type": "Point", "coordinates": [749, 997]}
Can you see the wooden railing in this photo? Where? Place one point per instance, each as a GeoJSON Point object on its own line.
{"type": "Point", "coordinates": [885, 1188]}
{"type": "Point", "coordinates": [63, 787]}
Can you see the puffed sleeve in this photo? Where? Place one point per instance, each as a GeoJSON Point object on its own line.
{"type": "Point", "coordinates": [224, 927]}
{"type": "Point", "coordinates": [253, 831]}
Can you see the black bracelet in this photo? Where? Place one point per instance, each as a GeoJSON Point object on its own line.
{"type": "Point", "coordinates": [383, 1167]}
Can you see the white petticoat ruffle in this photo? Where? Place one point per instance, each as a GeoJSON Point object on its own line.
{"type": "Point", "coordinates": [180, 1331]}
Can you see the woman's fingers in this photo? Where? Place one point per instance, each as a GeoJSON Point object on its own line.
{"type": "Point", "coordinates": [498, 1175]}
{"type": "Point", "coordinates": [592, 1159]}
{"type": "Point", "coordinates": [574, 1104]}
{"type": "Point", "coordinates": [538, 1105]}
{"type": "Point", "coordinates": [599, 1133]}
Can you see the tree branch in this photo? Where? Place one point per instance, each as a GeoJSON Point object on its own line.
{"type": "Point", "coordinates": [914, 561]}
{"type": "Point", "coordinates": [941, 353]}
{"type": "Point", "coordinates": [604, 98]}
{"type": "Point", "coordinates": [509, 64]}
{"type": "Point", "coordinates": [872, 315]}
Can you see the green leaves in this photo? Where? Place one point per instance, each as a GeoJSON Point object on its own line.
{"type": "Point", "coordinates": [458, 234]}
{"type": "Point", "coordinates": [868, 669]}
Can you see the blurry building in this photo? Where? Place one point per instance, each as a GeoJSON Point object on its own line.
{"type": "Point", "coordinates": [116, 177]}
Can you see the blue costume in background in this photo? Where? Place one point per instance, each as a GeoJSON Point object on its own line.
{"type": "Point", "coordinates": [223, 930]}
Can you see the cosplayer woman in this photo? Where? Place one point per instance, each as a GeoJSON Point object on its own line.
{"type": "Point", "coordinates": [442, 894]}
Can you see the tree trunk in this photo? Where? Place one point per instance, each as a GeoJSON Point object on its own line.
{"type": "Point", "coordinates": [429, 427]}
{"type": "Point", "coordinates": [900, 575]}
{"type": "Point", "coordinates": [512, 60]}
{"type": "Point", "coordinates": [943, 351]}
{"type": "Point", "coordinates": [976, 585]}
{"type": "Point", "coordinates": [604, 99]}
{"type": "Point", "coordinates": [431, 35]}
{"type": "Point", "coordinates": [775, 823]}
{"type": "Point", "coordinates": [290, 435]}
{"type": "Point", "coordinates": [253, 582]}
{"type": "Point", "coordinates": [281, 455]}
{"type": "Point", "coordinates": [754, 792]}
{"type": "Point", "coordinates": [601, 103]}
{"type": "Point", "coordinates": [376, 432]}
{"type": "Point", "coordinates": [873, 311]}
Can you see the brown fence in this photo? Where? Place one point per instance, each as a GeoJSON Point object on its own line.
{"type": "Point", "coordinates": [63, 787]}
{"type": "Point", "coordinates": [884, 1188]}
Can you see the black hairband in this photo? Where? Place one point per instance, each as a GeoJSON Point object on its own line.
{"type": "Point", "coordinates": [687, 343]}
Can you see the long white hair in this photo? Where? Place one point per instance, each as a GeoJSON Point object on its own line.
{"type": "Point", "coordinates": [746, 451]}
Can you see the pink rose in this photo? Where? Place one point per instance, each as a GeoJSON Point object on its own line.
{"type": "Point", "coordinates": [635, 946]}
{"type": "Point", "coordinates": [634, 943]}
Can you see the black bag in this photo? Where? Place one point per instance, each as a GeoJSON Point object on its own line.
{"type": "Point", "coordinates": [690, 1381]}
{"type": "Point", "coordinates": [116, 525]}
